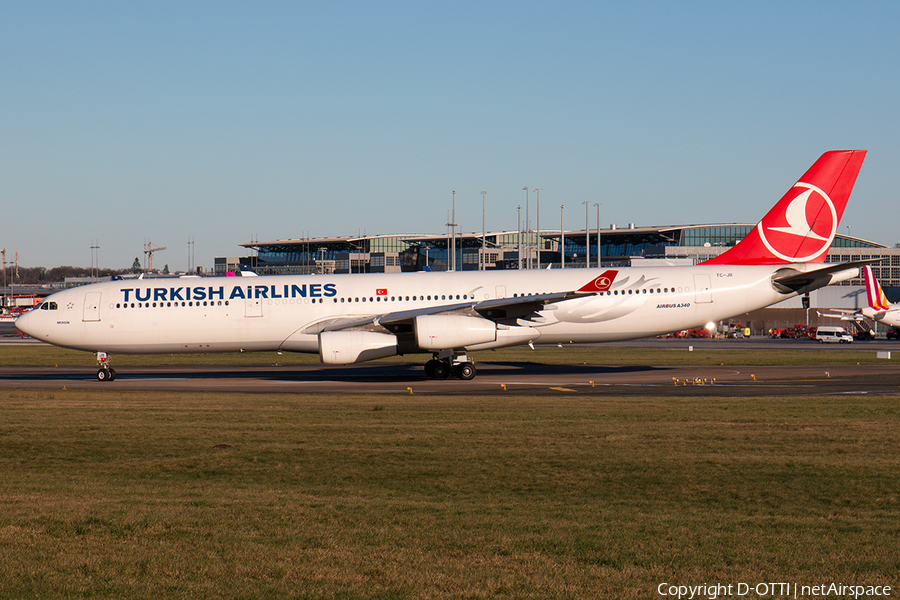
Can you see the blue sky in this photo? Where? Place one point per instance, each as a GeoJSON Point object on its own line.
{"type": "Point", "coordinates": [124, 122]}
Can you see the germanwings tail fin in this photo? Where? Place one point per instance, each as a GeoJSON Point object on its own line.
{"type": "Point", "coordinates": [877, 300]}
{"type": "Point", "coordinates": [801, 226]}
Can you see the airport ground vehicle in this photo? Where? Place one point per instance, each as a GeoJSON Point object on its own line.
{"type": "Point", "coordinates": [833, 334]}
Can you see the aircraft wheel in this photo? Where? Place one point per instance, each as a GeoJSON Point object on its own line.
{"type": "Point", "coordinates": [440, 370]}
{"type": "Point", "coordinates": [429, 368]}
{"type": "Point", "coordinates": [112, 374]}
{"type": "Point", "coordinates": [465, 371]}
{"type": "Point", "coordinates": [103, 375]}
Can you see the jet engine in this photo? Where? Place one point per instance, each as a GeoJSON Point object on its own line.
{"type": "Point", "coordinates": [346, 347]}
{"type": "Point", "coordinates": [440, 332]}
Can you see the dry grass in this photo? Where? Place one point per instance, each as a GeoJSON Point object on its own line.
{"type": "Point", "coordinates": [150, 495]}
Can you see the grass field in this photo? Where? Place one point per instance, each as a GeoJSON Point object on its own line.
{"type": "Point", "coordinates": [161, 495]}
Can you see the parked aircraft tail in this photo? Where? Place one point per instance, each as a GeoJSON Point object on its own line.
{"type": "Point", "coordinates": [877, 300]}
{"type": "Point", "coordinates": [802, 225]}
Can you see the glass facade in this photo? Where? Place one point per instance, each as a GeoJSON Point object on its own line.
{"type": "Point", "coordinates": [413, 252]}
{"type": "Point", "coordinates": [720, 235]}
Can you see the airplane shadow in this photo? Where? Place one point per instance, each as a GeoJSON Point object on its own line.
{"type": "Point", "coordinates": [369, 372]}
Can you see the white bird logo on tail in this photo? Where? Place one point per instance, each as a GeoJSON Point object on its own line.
{"type": "Point", "coordinates": [798, 225]}
{"type": "Point", "coordinates": [795, 214]}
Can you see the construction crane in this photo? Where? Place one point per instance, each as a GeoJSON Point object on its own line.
{"type": "Point", "coordinates": [149, 250]}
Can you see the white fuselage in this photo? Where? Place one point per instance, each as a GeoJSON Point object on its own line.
{"type": "Point", "coordinates": [222, 314]}
{"type": "Point", "coordinates": [890, 317]}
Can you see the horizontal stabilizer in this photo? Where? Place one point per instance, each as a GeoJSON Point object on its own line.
{"type": "Point", "coordinates": [843, 314]}
{"type": "Point", "coordinates": [789, 280]}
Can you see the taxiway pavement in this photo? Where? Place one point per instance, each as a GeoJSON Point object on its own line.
{"type": "Point", "coordinates": [492, 378]}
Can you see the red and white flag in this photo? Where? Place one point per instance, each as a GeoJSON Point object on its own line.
{"type": "Point", "coordinates": [381, 292]}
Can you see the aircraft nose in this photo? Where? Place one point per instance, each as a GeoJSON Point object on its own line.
{"type": "Point", "coordinates": [22, 323]}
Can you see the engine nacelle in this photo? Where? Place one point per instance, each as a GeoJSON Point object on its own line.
{"type": "Point", "coordinates": [345, 347]}
{"type": "Point", "coordinates": [442, 332]}
{"type": "Point", "coordinates": [509, 336]}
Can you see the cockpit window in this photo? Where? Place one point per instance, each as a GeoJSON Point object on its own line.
{"type": "Point", "coordinates": [48, 306]}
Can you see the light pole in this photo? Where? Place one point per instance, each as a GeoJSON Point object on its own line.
{"type": "Point", "coordinates": [452, 225]}
{"type": "Point", "coordinates": [539, 240]}
{"type": "Point", "coordinates": [519, 234]}
{"type": "Point", "coordinates": [5, 290]}
{"type": "Point", "coordinates": [597, 204]}
{"type": "Point", "coordinates": [527, 231]}
{"type": "Point", "coordinates": [95, 249]}
{"type": "Point", "coordinates": [483, 233]}
{"type": "Point", "coordinates": [562, 236]}
{"type": "Point", "coordinates": [587, 235]}
{"type": "Point", "coordinates": [358, 261]}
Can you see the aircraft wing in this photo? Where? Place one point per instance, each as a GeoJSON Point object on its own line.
{"type": "Point", "coordinates": [500, 310]}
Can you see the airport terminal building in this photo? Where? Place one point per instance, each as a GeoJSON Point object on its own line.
{"type": "Point", "coordinates": [616, 247]}
{"type": "Point", "coordinates": [625, 246]}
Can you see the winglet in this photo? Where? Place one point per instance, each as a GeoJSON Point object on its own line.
{"type": "Point", "coordinates": [802, 225]}
{"type": "Point", "coordinates": [877, 300]}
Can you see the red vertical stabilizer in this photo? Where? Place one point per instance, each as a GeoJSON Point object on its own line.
{"type": "Point", "coordinates": [801, 227]}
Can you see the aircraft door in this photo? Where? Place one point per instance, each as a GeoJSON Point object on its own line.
{"type": "Point", "coordinates": [91, 306]}
{"type": "Point", "coordinates": [501, 291]}
{"type": "Point", "coordinates": [702, 289]}
{"type": "Point", "coordinates": [253, 307]}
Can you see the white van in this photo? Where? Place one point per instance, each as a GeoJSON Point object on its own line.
{"type": "Point", "coordinates": [833, 334]}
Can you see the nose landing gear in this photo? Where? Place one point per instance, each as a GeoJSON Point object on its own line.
{"type": "Point", "coordinates": [105, 372]}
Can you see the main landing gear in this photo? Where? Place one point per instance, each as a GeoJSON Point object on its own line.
{"type": "Point", "coordinates": [447, 363]}
{"type": "Point", "coordinates": [105, 372]}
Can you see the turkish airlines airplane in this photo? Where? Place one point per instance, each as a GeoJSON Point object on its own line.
{"type": "Point", "coordinates": [354, 318]}
{"type": "Point", "coordinates": [878, 309]}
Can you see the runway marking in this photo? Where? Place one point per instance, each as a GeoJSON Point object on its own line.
{"type": "Point", "coordinates": [562, 389]}
{"type": "Point", "coordinates": [544, 383]}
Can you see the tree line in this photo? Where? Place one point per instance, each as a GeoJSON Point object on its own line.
{"type": "Point", "coordinates": [39, 275]}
